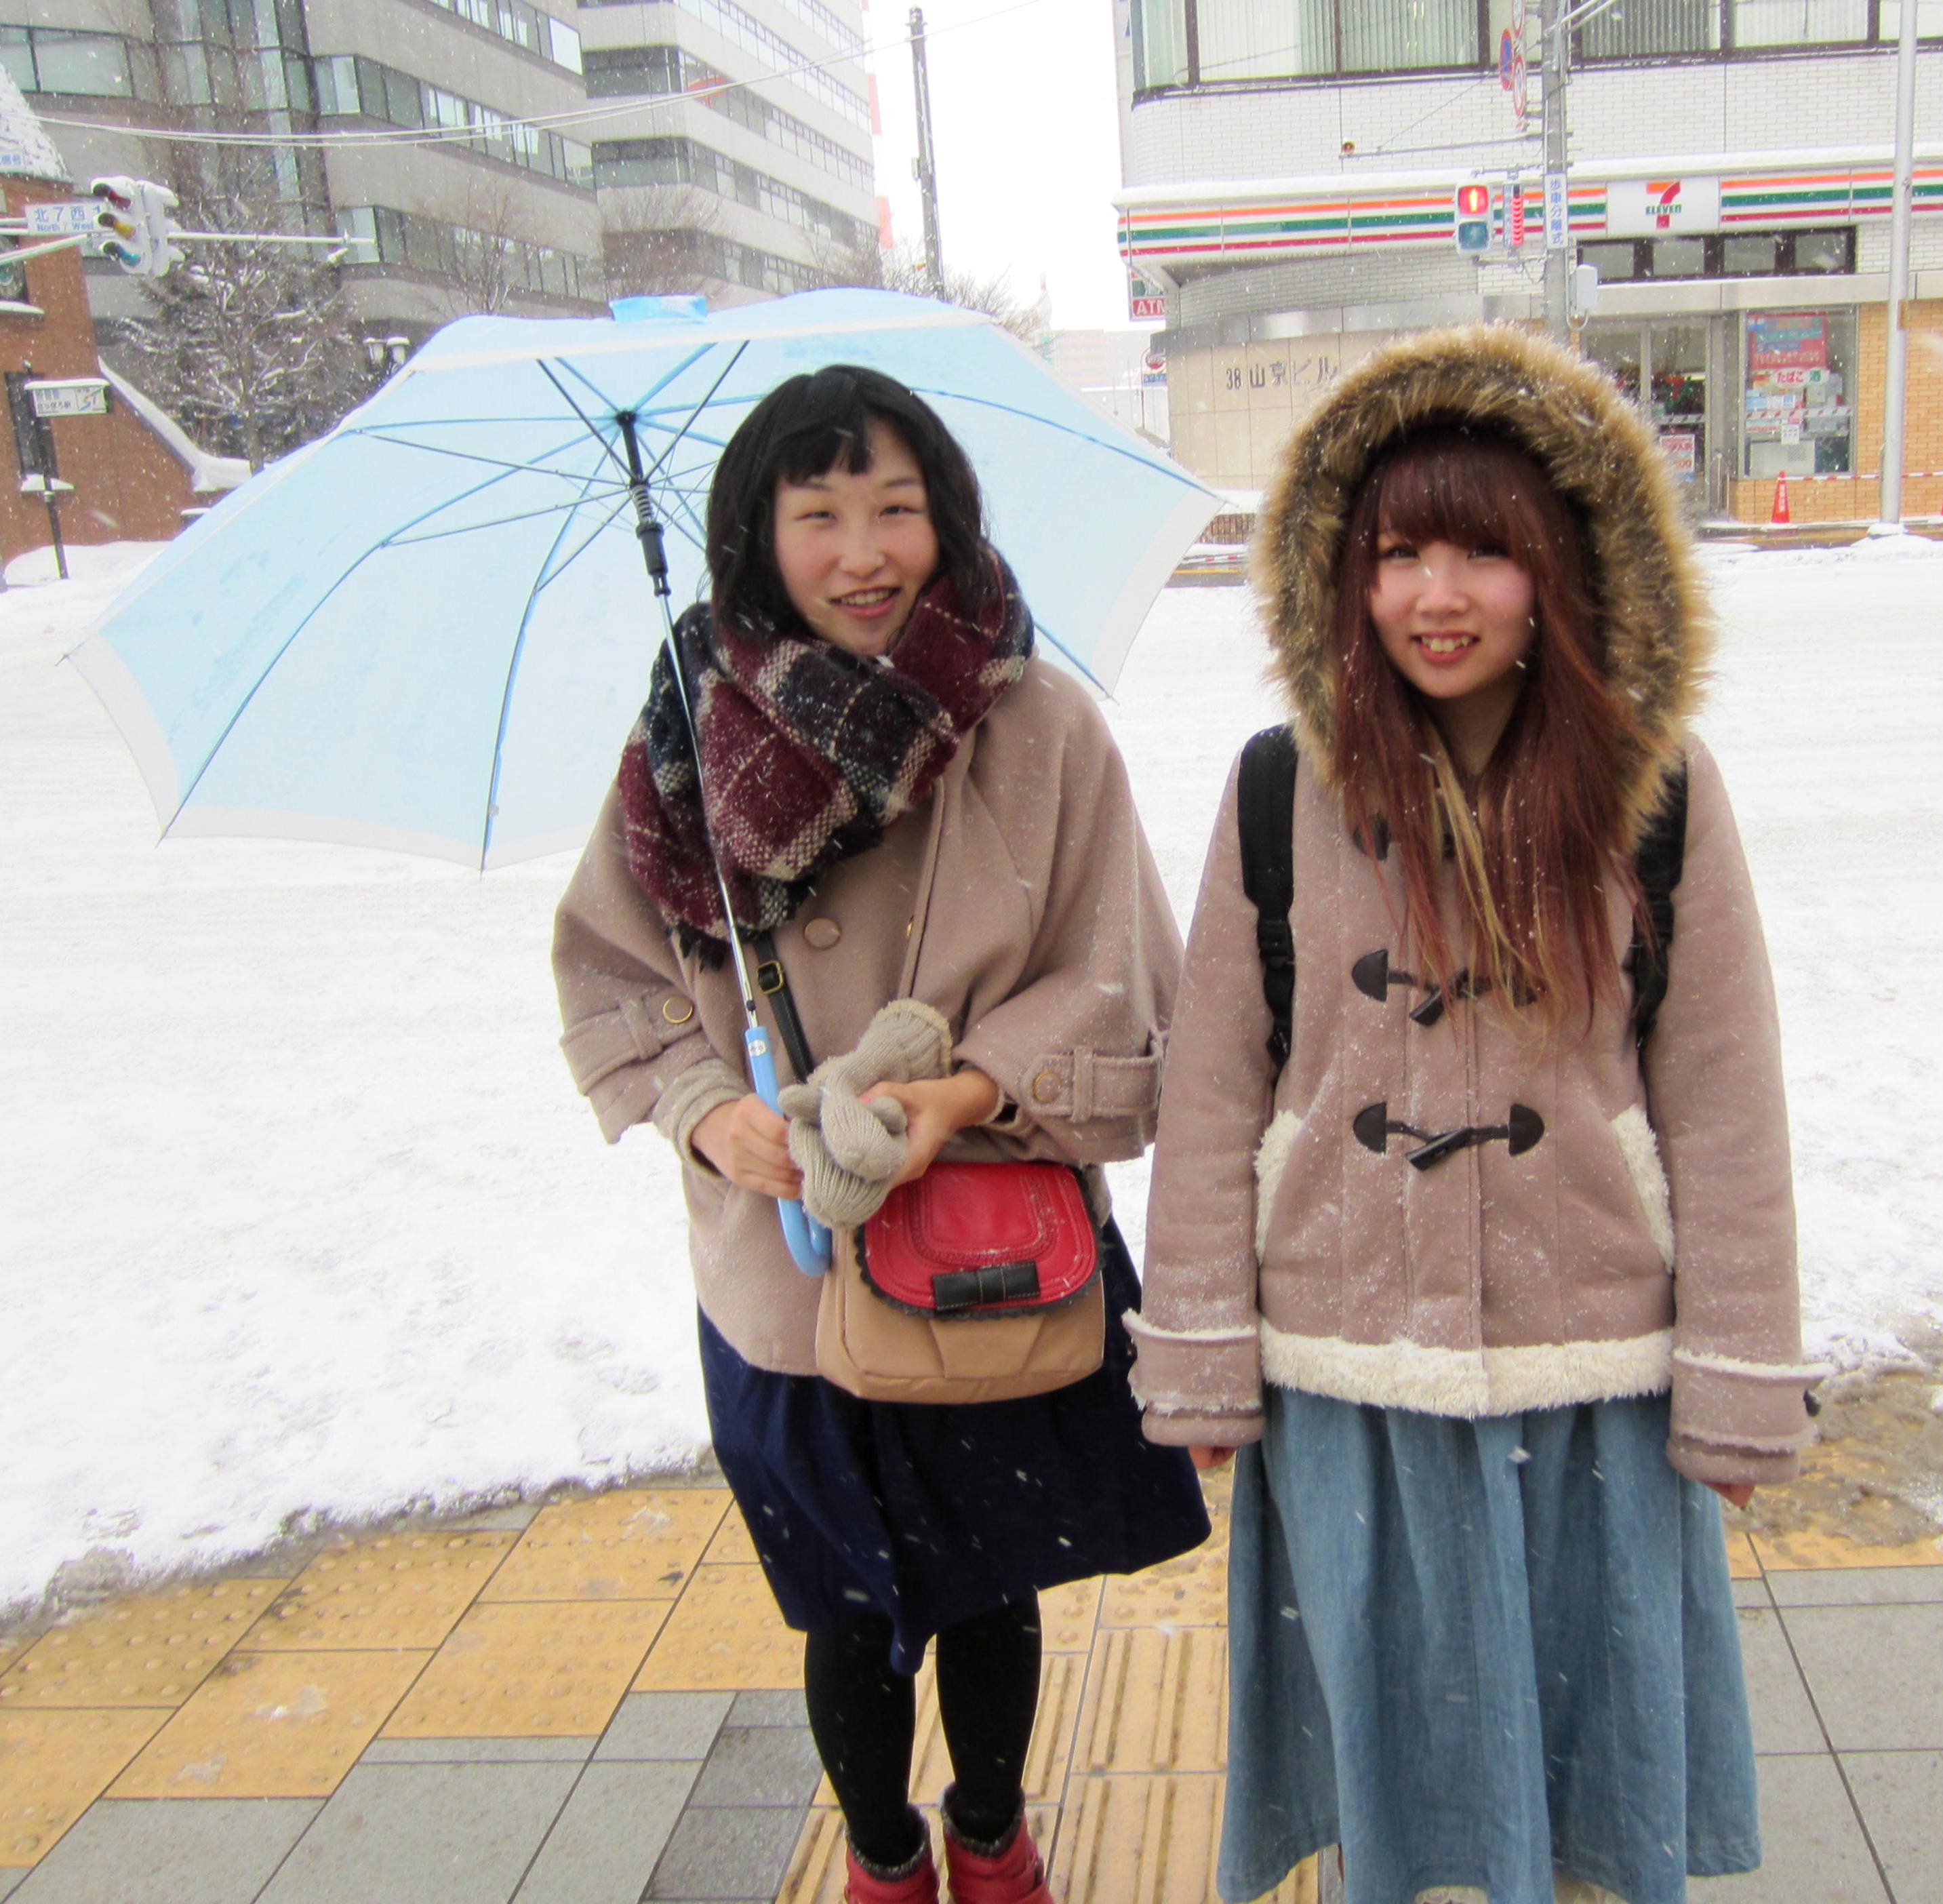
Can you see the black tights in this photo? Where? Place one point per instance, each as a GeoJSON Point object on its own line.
{"type": "Point", "coordinates": [865, 1716]}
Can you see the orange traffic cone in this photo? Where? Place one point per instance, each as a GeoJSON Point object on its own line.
{"type": "Point", "coordinates": [1778, 516]}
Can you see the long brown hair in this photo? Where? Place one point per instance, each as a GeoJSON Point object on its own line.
{"type": "Point", "coordinates": [1537, 835]}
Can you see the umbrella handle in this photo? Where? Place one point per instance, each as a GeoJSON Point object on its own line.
{"type": "Point", "coordinates": [808, 1240]}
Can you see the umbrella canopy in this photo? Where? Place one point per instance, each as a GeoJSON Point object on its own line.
{"type": "Point", "coordinates": [431, 629]}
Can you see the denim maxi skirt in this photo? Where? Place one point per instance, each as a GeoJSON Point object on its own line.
{"type": "Point", "coordinates": [1469, 1651]}
{"type": "Point", "coordinates": [929, 1515]}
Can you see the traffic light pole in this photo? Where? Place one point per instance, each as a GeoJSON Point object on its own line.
{"type": "Point", "coordinates": [1554, 26]}
{"type": "Point", "coordinates": [1889, 507]}
{"type": "Point", "coordinates": [925, 166]}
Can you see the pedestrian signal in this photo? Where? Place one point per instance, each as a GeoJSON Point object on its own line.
{"type": "Point", "coordinates": [1470, 218]}
{"type": "Point", "coordinates": [127, 239]}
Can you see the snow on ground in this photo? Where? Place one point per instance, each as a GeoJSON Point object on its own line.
{"type": "Point", "coordinates": [304, 1220]}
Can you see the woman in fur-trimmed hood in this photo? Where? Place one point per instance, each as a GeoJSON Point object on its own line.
{"type": "Point", "coordinates": [1494, 1277]}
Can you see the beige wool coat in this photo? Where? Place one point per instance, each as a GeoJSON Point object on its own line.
{"type": "Point", "coordinates": [1643, 1239]}
{"type": "Point", "coordinates": [1020, 901]}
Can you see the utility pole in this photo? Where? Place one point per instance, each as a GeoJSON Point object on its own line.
{"type": "Point", "coordinates": [1555, 27]}
{"type": "Point", "coordinates": [924, 167]}
{"type": "Point", "coordinates": [1889, 508]}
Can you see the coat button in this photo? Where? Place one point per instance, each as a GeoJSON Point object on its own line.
{"type": "Point", "coordinates": [1046, 1087]}
{"type": "Point", "coordinates": [678, 1011]}
{"type": "Point", "coordinates": [822, 934]}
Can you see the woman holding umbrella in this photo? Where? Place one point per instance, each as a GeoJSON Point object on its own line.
{"type": "Point", "coordinates": [916, 808]}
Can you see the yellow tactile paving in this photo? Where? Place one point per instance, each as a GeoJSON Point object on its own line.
{"type": "Point", "coordinates": [731, 1547]}
{"type": "Point", "coordinates": [552, 1669]}
{"type": "Point", "coordinates": [1743, 1563]}
{"type": "Point", "coordinates": [1148, 1841]}
{"type": "Point", "coordinates": [1156, 1702]}
{"type": "Point", "coordinates": [724, 1634]}
{"type": "Point", "coordinates": [54, 1766]}
{"type": "Point", "coordinates": [154, 1650]}
{"type": "Point", "coordinates": [1192, 1591]}
{"type": "Point", "coordinates": [634, 1544]}
{"type": "Point", "coordinates": [1067, 1615]}
{"type": "Point", "coordinates": [406, 1590]}
{"type": "Point", "coordinates": [1785, 1552]}
{"type": "Point", "coordinates": [272, 1725]}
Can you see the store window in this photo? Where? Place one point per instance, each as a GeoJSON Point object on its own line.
{"type": "Point", "coordinates": [1648, 27]}
{"type": "Point", "coordinates": [1723, 254]}
{"type": "Point", "coordinates": [1798, 413]}
{"type": "Point", "coordinates": [1197, 42]}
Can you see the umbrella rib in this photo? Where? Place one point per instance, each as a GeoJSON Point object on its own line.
{"type": "Point", "coordinates": [513, 671]}
{"type": "Point", "coordinates": [494, 522]}
{"type": "Point", "coordinates": [539, 467]}
{"type": "Point", "coordinates": [607, 448]}
{"type": "Point", "coordinates": [695, 414]}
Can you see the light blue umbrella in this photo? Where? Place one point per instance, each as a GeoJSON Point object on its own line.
{"type": "Point", "coordinates": [430, 629]}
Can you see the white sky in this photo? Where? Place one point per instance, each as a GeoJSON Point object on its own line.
{"type": "Point", "coordinates": [1025, 126]}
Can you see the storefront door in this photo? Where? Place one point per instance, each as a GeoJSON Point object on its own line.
{"type": "Point", "coordinates": [1675, 370]}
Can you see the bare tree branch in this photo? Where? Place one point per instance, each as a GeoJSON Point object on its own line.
{"type": "Point", "coordinates": [901, 268]}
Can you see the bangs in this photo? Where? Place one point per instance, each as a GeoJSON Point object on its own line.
{"type": "Point", "coordinates": [1456, 485]}
{"type": "Point", "coordinates": [819, 446]}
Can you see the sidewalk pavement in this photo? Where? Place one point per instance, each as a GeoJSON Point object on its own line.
{"type": "Point", "coordinates": [594, 1701]}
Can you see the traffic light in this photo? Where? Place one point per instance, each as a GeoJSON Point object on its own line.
{"type": "Point", "coordinates": [1470, 218]}
{"type": "Point", "coordinates": [135, 215]}
{"type": "Point", "coordinates": [126, 241]}
{"type": "Point", "coordinates": [156, 205]}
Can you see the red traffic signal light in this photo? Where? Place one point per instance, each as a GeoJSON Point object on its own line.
{"type": "Point", "coordinates": [1471, 217]}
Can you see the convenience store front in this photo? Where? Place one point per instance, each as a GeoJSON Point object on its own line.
{"type": "Point", "coordinates": [1733, 308]}
{"type": "Point", "coordinates": [1740, 399]}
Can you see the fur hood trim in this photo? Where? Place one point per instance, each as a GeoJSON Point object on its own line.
{"type": "Point", "coordinates": [1597, 450]}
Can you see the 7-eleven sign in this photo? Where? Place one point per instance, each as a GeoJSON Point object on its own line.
{"type": "Point", "coordinates": [1649, 207]}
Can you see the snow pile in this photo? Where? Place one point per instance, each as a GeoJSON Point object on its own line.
{"type": "Point", "coordinates": [113, 562]}
{"type": "Point", "coordinates": [304, 1219]}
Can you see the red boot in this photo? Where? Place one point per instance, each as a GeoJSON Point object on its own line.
{"type": "Point", "coordinates": [1013, 1874]}
{"type": "Point", "coordinates": [917, 1885]}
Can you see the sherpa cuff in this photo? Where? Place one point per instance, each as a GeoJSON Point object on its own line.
{"type": "Point", "coordinates": [1756, 1407]}
{"type": "Point", "coordinates": [698, 1090]}
{"type": "Point", "coordinates": [1212, 1371]}
{"type": "Point", "coordinates": [1186, 1430]}
{"type": "Point", "coordinates": [1731, 1466]}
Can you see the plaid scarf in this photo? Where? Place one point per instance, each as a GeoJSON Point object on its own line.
{"type": "Point", "coordinates": [809, 753]}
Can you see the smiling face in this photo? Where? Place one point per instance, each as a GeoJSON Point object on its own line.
{"type": "Point", "coordinates": [855, 550]}
{"type": "Point", "coordinates": [1456, 621]}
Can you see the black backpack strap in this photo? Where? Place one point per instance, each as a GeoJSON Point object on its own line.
{"type": "Point", "coordinates": [1265, 807]}
{"type": "Point", "coordinates": [1657, 864]}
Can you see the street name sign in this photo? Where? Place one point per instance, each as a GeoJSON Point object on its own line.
{"type": "Point", "coordinates": [73, 218]}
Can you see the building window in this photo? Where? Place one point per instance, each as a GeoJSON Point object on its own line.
{"type": "Point", "coordinates": [33, 440]}
{"type": "Point", "coordinates": [353, 87]}
{"type": "Point", "coordinates": [1724, 254]}
{"type": "Point", "coordinates": [667, 72]}
{"type": "Point", "coordinates": [1799, 23]}
{"type": "Point", "coordinates": [380, 235]}
{"type": "Point", "coordinates": [1202, 42]}
{"type": "Point", "coordinates": [90, 66]}
{"type": "Point", "coordinates": [1644, 28]}
{"type": "Point", "coordinates": [1797, 414]}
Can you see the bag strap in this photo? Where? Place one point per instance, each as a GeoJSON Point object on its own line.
{"type": "Point", "coordinates": [1657, 864]}
{"type": "Point", "coordinates": [1265, 808]}
{"type": "Point", "coordinates": [772, 981]}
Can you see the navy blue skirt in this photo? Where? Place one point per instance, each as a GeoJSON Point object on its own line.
{"type": "Point", "coordinates": [930, 1514]}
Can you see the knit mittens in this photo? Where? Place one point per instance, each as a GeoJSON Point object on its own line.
{"type": "Point", "coordinates": [848, 1150]}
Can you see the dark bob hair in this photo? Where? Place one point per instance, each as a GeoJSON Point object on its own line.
{"type": "Point", "coordinates": [805, 428]}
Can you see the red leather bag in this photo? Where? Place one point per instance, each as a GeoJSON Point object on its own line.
{"type": "Point", "coordinates": [1010, 1247]}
